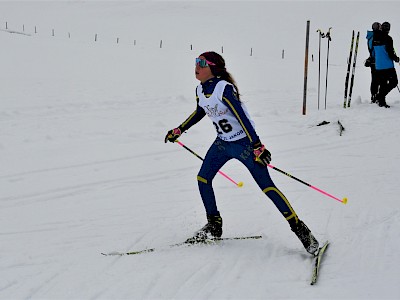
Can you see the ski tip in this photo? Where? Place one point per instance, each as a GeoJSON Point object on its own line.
{"type": "Point", "coordinates": [240, 184]}
{"type": "Point", "coordinates": [344, 200]}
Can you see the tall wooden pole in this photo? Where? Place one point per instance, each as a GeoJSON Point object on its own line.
{"type": "Point", "coordinates": [306, 68]}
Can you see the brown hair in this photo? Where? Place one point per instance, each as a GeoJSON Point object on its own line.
{"type": "Point", "coordinates": [219, 68]}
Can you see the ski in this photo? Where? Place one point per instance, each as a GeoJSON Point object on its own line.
{"type": "Point", "coordinates": [317, 262]}
{"type": "Point", "coordinates": [188, 242]}
{"type": "Point", "coordinates": [353, 70]}
{"type": "Point", "coordinates": [346, 83]}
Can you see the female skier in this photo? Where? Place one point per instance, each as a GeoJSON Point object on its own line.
{"type": "Point", "coordinates": [218, 97]}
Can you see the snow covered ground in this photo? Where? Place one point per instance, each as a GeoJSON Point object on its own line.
{"type": "Point", "coordinates": [85, 170]}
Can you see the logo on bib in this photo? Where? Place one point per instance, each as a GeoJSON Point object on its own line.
{"type": "Point", "coordinates": [214, 112]}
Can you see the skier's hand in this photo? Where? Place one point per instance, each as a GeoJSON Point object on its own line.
{"type": "Point", "coordinates": [262, 155]}
{"type": "Point", "coordinates": [173, 135]}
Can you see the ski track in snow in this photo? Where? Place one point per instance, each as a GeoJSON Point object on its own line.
{"type": "Point", "coordinates": [85, 170]}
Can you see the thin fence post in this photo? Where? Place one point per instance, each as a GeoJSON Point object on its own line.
{"type": "Point", "coordinates": [306, 68]}
{"type": "Point", "coordinates": [6, 25]}
{"type": "Point", "coordinates": [160, 44]}
{"type": "Point", "coordinates": [251, 51]}
{"type": "Point", "coordinates": [283, 53]}
{"type": "Point", "coordinates": [95, 37]}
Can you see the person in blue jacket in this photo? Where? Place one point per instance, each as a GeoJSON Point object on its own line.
{"type": "Point", "coordinates": [370, 62]}
{"type": "Point", "coordinates": [384, 55]}
{"type": "Point", "coordinates": [218, 97]}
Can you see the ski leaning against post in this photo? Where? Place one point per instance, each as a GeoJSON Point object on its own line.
{"type": "Point", "coordinates": [346, 83]}
{"type": "Point", "coordinates": [347, 88]}
{"type": "Point", "coordinates": [188, 242]}
{"type": "Point", "coordinates": [353, 70]}
{"type": "Point", "coordinates": [317, 262]}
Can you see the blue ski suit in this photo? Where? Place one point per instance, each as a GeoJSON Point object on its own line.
{"type": "Point", "coordinates": [236, 136]}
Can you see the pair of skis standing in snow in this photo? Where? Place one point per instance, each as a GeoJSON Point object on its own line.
{"type": "Point", "coordinates": [218, 97]}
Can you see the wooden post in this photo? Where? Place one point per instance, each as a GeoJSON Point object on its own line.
{"type": "Point", "coordinates": [283, 53]}
{"type": "Point", "coordinates": [306, 67]}
{"type": "Point", "coordinates": [95, 37]}
{"type": "Point", "coordinates": [251, 51]}
{"type": "Point", "coordinates": [160, 44]}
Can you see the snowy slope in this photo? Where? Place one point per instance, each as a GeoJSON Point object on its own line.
{"type": "Point", "coordinates": [84, 168]}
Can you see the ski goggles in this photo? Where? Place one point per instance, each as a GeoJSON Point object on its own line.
{"type": "Point", "coordinates": [203, 63]}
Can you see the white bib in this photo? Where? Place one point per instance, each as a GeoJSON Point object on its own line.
{"type": "Point", "coordinates": [226, 123]}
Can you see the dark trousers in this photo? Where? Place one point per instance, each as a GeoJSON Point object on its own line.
{"type": "Point", "coordinates": [387, 80]}
{"type": "Point", "coordinates": [374, 83]}
{"type": "Point", "coordinates": [219, 153]}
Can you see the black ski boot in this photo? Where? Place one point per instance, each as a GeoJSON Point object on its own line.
{"type": "Point", "coordinates": [212, 230]}
{"type": "Point", "coordinates": [383, 104]}
{"type": "Point", "coordinates": [381, 101]}
{"type": "Point", "coordinates": [304, 234]}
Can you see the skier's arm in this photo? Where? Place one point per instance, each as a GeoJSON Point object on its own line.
{"type": "Point", "coordinates": [195, 117]}
{"type": "Point", "coordinates": [390, 50]}
{"type": "Point", "coordinates": [231, 100]}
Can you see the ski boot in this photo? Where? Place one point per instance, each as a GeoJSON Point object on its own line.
{"type": "Point", "coordinates": [381, 101]}
{"type": "Point", "coordinates": [305, 236]}
{"type": "Point", "coordinates": [383, 104]}
{"type": "Point", "coordinates": [212, 230]}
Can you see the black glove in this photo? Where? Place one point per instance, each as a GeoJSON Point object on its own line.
{"type": "Point", "coordinates": [173, 135]}
{"type": "Point", "coordinates": [397, 59]}
{"type": "Point", "coordinates": [262, 155]}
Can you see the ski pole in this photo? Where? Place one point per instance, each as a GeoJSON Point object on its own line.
{"type": "Point", "coordinates": [327, 35]}
{"type": "Point", "coordinates": [344, 200]}
{"type": "Point", "coordinates": [320, 35]}
{"type": "Point", "coordinates": [238, 184]}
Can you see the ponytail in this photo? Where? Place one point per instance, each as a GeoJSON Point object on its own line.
{"type": "Point", "coordinates": [228, 77]}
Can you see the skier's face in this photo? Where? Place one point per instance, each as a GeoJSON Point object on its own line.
{"type": "Point", "coordinates": [203, 73]}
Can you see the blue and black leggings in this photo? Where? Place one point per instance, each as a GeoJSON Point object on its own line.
{"type": "Point", "coordinates": [219, 153]}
